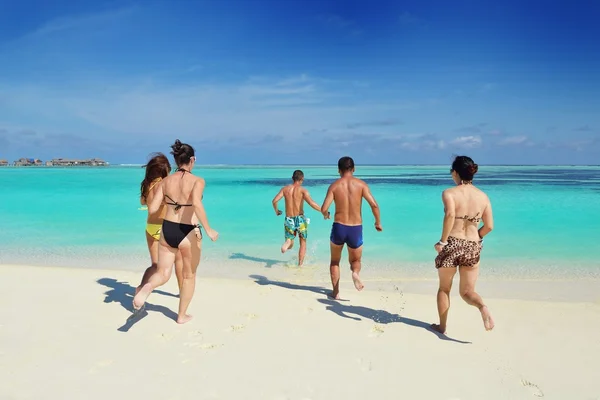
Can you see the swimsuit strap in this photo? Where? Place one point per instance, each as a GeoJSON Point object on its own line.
{"type": "Point", "coordinates": [471, 219]}
{"type": "Point", "coordinates": [153, 183]}
{"type": "Point", "coordinates": [176, 204]}
{"type": "Point", "coordinates": [183, 170]}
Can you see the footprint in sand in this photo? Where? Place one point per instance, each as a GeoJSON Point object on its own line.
{"type": "Point", "coordinates": [533, 388]}
{"type": "Point", "coordinates": [166, 337]}
{"type": "Point", "coordinates": [251, 316]}
{"type": "Point", "coordinates": [100, 365]}
{"type": "Point", "coordinates": [210, 346]}
{"type": "Point", "coordinates": [236, 328]}
{"type": "Point", "coordinates": [266, 290]}
{"type": "Point", "coordinates": [365, 365]}
{"type": "Point", "coordinates": [376, 331]}
{"type": "Point", "coordinates": [195, 334]}
{"type": "Point", "coordinates": [201, 346]}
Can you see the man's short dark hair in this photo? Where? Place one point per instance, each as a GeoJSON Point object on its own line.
{"type": "Point", "coordinates": [346, 164]}
{"type": "Point", "coordinates": [298, 175]}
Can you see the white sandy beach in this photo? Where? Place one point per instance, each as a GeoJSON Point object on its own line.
{"type": "Point", "coordinates": [63, 335]}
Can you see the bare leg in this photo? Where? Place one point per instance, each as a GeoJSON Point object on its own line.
{"type": "Point", "coordinates": [179, 269]}
{"type": "Point", "coordinates": [354, 256]}
{"type": "Point", "coordinates": [301, 251]}
{"type": "Point", "coordinates": [334, 269]}
{"type": "Point", "coordinates": [166, 258]}
{"type": "Point", "coordinates": [190, 253]}
{"type": "Point", "coordinates": [468, 278]}
{"type": "Point", "coordinates": [288, 244]}
{"type": "Point", "coordinates": [153, 250]}
{"type": "Point", "coordinates": [443, 297]}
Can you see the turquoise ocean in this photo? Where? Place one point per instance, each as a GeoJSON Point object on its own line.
{"type": "Point", "coordinates": [547, 219]}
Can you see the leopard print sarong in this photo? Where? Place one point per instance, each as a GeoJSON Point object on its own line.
{"type": "Point", "coordinates": [458, 253]}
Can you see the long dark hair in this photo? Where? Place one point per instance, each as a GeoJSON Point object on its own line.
{"type": "Point", "coordinates": [158, 167]}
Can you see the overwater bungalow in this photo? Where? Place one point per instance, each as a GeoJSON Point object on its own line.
{"type": "Point", "coordinates": [64, 162]}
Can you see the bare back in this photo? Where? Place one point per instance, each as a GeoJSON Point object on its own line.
{"type": "Point", "coordinates": [470, 206]}
{"type": "Point", "coordinates": [348, 193]}
{"type": "Point", "coordinates": [294, 200]}
{"type": "Point", "coordinates": [177, 188]}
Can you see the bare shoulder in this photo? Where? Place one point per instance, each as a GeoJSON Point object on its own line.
{"type": "Point", "coordinates": [199, 181]}
{"type": "Point", "coordinates": [483, 195]}
{"type": "Point", "coordinates": [448, 192]}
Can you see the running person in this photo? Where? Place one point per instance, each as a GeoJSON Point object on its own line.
{"type": "Point", "coordinates": [465, 206]}
{"type": "Point", "coordinates": [348, 193]}
{"type": "Point", "coordinates": [295, 222]}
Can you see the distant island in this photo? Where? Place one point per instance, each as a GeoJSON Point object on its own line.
{"type": "Point", "coordinates": [55, 162]}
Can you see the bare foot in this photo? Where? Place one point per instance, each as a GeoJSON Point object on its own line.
{"type": "Point", "coordinates": [141, 296]}
{"type": "Point", "coordinates": [286, 246]}
{"type": "Point", "coordinates": [488, 322]}
{"type": "Point", "coordinates": [334, 295]}
{"type": "Point", "coordinates": [438, 328]}
{"type": "Point", "coordinates": [184, 319]}
{"type": "Point", "coordinates": [357, 282]}
{"type": "Point", "coordinates": [137, 290]}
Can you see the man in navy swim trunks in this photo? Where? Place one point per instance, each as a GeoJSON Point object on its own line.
{"type": "Point", "coordinates": [348, 193]}
{"type": "Point", "coordinates": [295, 222]}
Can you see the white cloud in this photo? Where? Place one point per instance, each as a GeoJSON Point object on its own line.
{"type": "Point", "coordinates": [467, 142]}
{"type": "Point", "coordinates": [73, 22]}
{"type": "Point", "coordinates": [258, 106]}
{"type": "Point", "coordinates": [513, 140]}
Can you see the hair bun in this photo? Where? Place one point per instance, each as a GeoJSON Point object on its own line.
{"type": "Point", "coordinates": [473, 169]}
{"type": "Point", "coordinates": [177, 146]}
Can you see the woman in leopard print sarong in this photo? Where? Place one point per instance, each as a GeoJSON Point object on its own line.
{"type": "Point", "coordinates": [465, 206]}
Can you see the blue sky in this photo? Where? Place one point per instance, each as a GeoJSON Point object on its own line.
{"type": "Point", "coordinates": [271, 81]}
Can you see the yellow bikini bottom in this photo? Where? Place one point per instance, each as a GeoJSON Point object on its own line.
{"type": "Point", "coordinates": [154, 230]}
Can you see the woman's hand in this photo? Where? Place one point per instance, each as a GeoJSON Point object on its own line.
{"type": "Point", "coordinates": [439, 247]}
{"type": "Point", "coordinates": [212, 234]}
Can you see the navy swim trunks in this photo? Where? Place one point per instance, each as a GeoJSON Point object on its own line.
{"type": "Point", "coordinates": [346, 234]}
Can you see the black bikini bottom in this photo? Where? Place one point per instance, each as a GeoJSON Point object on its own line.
{"type": "Point", "coordinates": [174, 232]}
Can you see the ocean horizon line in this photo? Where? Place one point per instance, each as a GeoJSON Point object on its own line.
{"type": "Point", "coordinates": [366, 165]}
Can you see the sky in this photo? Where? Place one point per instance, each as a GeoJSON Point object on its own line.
{"type": "Point", "coordinates": [302, 82]}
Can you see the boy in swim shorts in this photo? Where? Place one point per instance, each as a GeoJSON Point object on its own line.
{"type": "Point", "coordinates": [295, 222]}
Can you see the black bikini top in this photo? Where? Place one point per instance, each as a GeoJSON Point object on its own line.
{"type": "Point", "coordinates": [173, 202]}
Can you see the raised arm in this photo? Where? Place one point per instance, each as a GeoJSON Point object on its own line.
{"type": "Point", "coordinates": [449, 217]}
{"type": "Point", "coordinates": [327, 202]}
{"type": "Point", "coordinates": [488, 220]}
{"type": "Point", "coordinates": [310, 201]}
{"type": "Point", "coordinates": [197, 192]}
{"type": "Point", "coordinates": [368, 196]}
{"type": "Point", "coordinates": [155, 198]}
{"type": "Point", "coordinates": [275, 200]}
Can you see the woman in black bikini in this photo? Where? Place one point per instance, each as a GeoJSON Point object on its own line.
{"type": "Point", "coordinates": [182, 192]}
{"type": "Point", "coordinates": [465, 206]}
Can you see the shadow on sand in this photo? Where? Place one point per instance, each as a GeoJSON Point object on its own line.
{"type": "Point", "coordinates": [269, 263]}
{"type": "Point", "coordinates": [264, 281]}
{"type": "Point", "coordinates": [380, 317]}
{"type": "Point", "coordinates": [122, 293]}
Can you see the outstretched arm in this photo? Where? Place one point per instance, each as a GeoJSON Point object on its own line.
{"type": "Point", "coordinates": [156, 199]}
{"type": "Point", "coordinates": [197, 192]}
{"type": "Point", "coordinates": [327, 202]}
{"type": "Point", "coordinates": [310, 201]}
{"type": "Point", "coordinates": [275, 200]}
{"type": "Point", "coordinates": [374, 206]}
